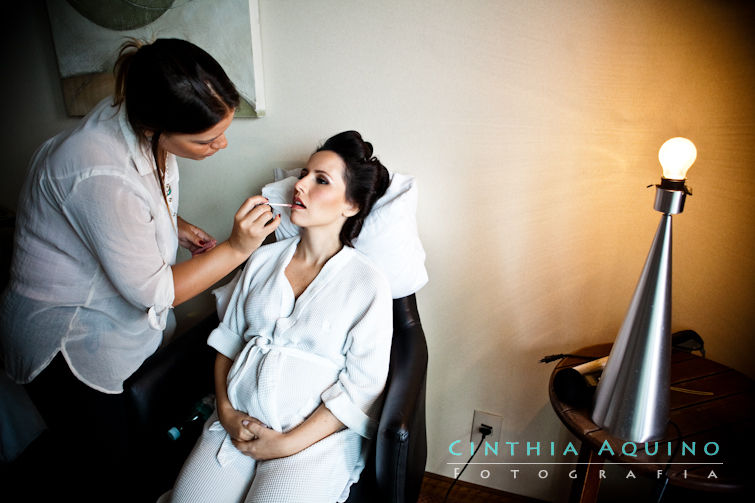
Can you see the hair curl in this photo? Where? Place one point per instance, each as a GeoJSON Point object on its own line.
{"type": "Point", "coordinates": [365, 176]}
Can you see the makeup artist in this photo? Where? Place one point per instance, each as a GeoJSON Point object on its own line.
{"type": "Point", "coordinates": [93, 276]}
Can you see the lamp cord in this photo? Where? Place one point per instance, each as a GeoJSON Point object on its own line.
{"type": "Point", "coordinates": [662, 491]}
{"type": "Point", "coordinates": [552, 358]}
{"type": "Point", "coordinates": [465, 467]}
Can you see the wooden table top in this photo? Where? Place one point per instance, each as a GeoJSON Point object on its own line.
{"type": "Point", "coordinates": [726, 417]}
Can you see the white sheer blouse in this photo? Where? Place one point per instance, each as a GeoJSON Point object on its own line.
{"type": "Point", "coordinates": [95, 240]}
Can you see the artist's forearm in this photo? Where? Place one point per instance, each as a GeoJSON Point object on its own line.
{"type": "Point", "coordinates": [192, 277]}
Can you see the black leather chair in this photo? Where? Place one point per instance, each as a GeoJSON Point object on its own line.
{"type": "Point", "coordinates": [395, 469]}
{"type": "Point", "coordinates": [162, 393]}
{"type": "Point", "coordinates": [164, 389]}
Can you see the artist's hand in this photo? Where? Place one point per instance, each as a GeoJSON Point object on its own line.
{"type": "Point", "coordinates": [253, 222]}
{"type": "Point", "coordinates": [265, 444]}
{"type": "Point", "coordinates": [193, 238]}
{"type": "Point", "coordinates": [234, 422]}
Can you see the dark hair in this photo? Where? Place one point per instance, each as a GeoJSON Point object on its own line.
{"type": "Point", "coordinates": [366, 178]}
{"type": "Point", "coordinates": [171, 86]}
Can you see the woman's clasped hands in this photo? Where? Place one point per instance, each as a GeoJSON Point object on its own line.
{"type": "Point", "coordinates": [266, 443]}
{"type": "Point", "coordinates": [251, 437]}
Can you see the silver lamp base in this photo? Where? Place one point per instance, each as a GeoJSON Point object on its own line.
{"type": "Point", "coordinates": [632, 399]}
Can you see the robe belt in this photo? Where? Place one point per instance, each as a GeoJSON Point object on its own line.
{"type": "Point", "coordinates": [265, 345]}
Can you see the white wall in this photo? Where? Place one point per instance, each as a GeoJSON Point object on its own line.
{"type": "Point", "coordinates": [533, 130]}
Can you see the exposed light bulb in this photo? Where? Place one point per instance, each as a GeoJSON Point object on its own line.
{"type": "Point", "coordinates": [676, 157]}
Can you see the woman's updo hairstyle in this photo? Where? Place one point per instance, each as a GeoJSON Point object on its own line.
{"type": "Point", "coordinates": [366, 178]}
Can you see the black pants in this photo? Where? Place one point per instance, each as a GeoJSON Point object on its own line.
{"type": "Point", "coordinates": [84, 456]}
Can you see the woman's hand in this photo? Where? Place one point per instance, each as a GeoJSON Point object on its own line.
{"type": "Point", "coordinates": [253, 222]}
{"type": "Point", "coordinates": [193, 238]}
{"type": "Point", "coordinates": [265, 444]}
{"type": "Point", "coordinates": [234, 422]}
{"type": "Point", "coordinates": [270, 444]}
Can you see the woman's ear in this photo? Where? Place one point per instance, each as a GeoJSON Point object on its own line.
{"type": "Point", "coordinates": [350, 209]}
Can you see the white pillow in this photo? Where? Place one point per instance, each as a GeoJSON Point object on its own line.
{"type": "Point", "coordinates": [389, 234]}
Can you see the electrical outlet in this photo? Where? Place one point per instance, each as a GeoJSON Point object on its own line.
{"type": "Point", "coordinates": [493, 420]}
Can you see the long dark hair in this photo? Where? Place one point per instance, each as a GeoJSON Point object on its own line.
{"type": "Point", "coordinates": [170, 86]}
{"type": "Point", "coordinates": [365, 176]}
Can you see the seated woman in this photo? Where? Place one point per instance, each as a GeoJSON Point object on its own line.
{"type": "Point", "coordinates": [303, 349]}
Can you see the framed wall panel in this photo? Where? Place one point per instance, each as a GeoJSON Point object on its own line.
{"type": "Point", "coordinates": [88, 33]}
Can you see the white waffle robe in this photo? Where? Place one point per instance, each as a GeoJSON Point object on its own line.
{"type": "Point", "coordinates": [331, 345]}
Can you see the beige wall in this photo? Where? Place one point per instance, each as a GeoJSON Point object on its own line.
{"type": "Point", "coordinates": [533, 130]}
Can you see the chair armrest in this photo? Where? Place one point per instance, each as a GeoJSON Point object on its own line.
{"type": "Point", "coordinates": [401, 444]}
{"type": "Point", "coordinates": [172, 379]}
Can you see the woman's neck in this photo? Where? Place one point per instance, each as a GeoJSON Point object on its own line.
{"type": "Point", "coordinates": [316, 248]}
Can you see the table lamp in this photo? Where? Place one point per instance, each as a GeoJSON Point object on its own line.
{"type": "Point", "coordinates": [632, 398]}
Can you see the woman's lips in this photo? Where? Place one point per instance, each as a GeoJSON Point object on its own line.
{"type": "Point", "coordinates": [297, 204]}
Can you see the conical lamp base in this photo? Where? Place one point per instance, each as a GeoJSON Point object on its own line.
{"type": "Point", "coordinates": [632, 399]}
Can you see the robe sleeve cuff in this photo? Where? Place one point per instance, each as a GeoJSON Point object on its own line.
{"type": "Point", "coordinates": [340, 405]}
{"type": "Point", "coordinates": [225, 341]}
